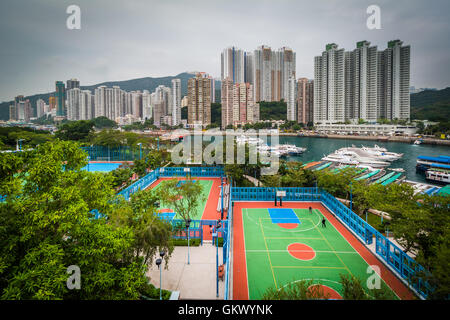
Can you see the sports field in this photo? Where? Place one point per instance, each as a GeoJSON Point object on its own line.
{"type": "Point", "coordinates": [276, 246]}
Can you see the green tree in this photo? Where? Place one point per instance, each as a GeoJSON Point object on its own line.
{"type": "Point", "coordinates": [184, 199]}
{"type": "Point", "coordinates": [296, 290]}
{"type": "Point", "coordinates": [75, 130]}
{"type": "Point", "coordinates": [47, 225]}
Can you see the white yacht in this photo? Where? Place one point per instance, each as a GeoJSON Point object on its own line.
{"type": "Point", "coordinates": [363, 159]}
{"type": "Point", "coordinates": [340, 158]}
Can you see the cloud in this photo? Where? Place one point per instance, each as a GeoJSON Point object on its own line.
{"type": "Point", "coordinates": [121, 40]}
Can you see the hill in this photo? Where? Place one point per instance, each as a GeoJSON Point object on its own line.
{"type": "Point", "coordinates": [141, 84]}
{"type": "Point", "coordinates": [433, 105]}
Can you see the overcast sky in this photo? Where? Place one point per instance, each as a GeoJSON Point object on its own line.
{"type": "Point", "coordinates": [121, 40]}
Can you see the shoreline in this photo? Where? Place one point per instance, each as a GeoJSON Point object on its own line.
{"type": "Point", "coordinates": [402, 139]}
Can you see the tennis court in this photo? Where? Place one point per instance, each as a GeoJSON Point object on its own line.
{"type": "Point", "coordinates": [276, 246]}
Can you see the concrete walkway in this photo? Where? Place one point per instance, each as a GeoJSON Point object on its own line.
{"type": "Point", "coordinates": [194, 281]}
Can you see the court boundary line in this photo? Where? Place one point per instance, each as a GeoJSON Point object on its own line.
{"type": "Point", "coordinates": [268, 255]}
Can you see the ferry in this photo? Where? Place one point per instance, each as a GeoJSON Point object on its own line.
{"type": "Point", "coordinates": [426, 162]}
{"type": "Point", "coordinates": [438, 174]}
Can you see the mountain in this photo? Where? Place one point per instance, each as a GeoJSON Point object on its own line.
{"type": "Point", "coordinates": [141, 84]}
{"type": "Point", "coordinates": [433, 105]}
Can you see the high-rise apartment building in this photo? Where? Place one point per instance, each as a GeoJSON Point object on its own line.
{"type": "Point", "coordinates": [72, 84]}
{"type": "Point", "coordinates": [394, 81]}
{"type": "Point", "coordinates": [264, 74]}
{"type": "Point", "coordinates": [60, 96]}
{"type": "Point", "coordinates": [286, 62]}
{"type": "Point", "coordinates": [73, 104]}
{"type": "Point", "coordinates": [146, 105]}
{"type": "Point", "coordinates": [176, 102]}
{"type": "Point", "coordinates": [40, 104]}
{"type": "Point", "coordinates": [227, 102]}
{"type": "Point", "coordinates": [238, 105]}
{"type": "Point", "coordinates": [162, 105]}
{"type": "Point", "coordinates": [361, 72]}
{"type": "Point", "coordinates": [52, 102]}
{"type": "Point", "coordinates": [329, 85]}
{"type": "Point", "coordinates": [199, 95]}
{"type": "Point", "coordinates": [233, 64]}
{"type": "Point", "coordinates": [291, 100]}
{"type": "Point", "coordinates": [20, 110]}
{"type": "Point", "coordinates": [305, 100]}
{"type": "Point", "coordinates": [271, 73]}
{"type": "Point", "coordinates": [376, 83]}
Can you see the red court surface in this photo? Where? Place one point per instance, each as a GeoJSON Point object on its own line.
{"type": "Point", "coordinates": [240, 281]}
{"type": "Point", "coordinates": [210, 211]}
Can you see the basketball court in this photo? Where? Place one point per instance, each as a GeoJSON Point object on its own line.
{"type": "Point", "coordinates": [276, 246]}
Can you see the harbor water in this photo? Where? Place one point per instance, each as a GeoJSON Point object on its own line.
{"type": "Point", "coordinates": [317, 148]}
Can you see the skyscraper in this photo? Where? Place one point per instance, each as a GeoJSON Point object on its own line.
{"type": "Point", "coordinates": [176, 102]}
{"type": "Point", "coordinates": [40, 108]}
{"type": "Point", "coordinates": [60, 96]}
{"type": "Point", "coordinates": [271, 72]}
{"type": "Point", "coordinates": [73, 104]}
{"type": "Point", "coordinates": [72, 84]}
{"type": "Point", "coordinates": [291, 99]}
{"type": "Point", "coordinates": [329, 89]}
{"type": "Point", "coordinates": [305, 100]}
{"type": "Point", "coordinates": [238, 105]}
{"type": "Point", "coordinates": [199, 95]}
{"type": "Point", "coordinates": [146, 105]}
{"type": "Point", "coordinates": [361, 82]}
{"type": "Point", "coordinates": [394, 81]}
{"type": "Point", "coordinates": [227, 102]}
{"type": "Point", "coordinates": [285, 71]}
{"type": "Point", "coordinates": [21, 110]}
{"type": "Point", "coordinates": [233, 64]}
{"type": "Point", "coordinates": [264, 74]}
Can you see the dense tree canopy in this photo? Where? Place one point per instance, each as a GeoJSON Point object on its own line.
{"type": "Point", "coordinates": [46, 226]}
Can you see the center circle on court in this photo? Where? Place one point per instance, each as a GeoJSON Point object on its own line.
{"type": "Point", "coordinates": [288, 225]}
{"type": "Point", "coordinates": [328, 292]}
{"type": "Point", "coordinates": [301, 251]}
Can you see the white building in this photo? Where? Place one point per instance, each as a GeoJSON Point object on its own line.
{"type": "Point", "coordinates": [329, 89]}
{"type": "Point", "coordinates": [361, 72]}
{"type": "Point", "coordinates": [40, 104]}
{"type": "Point", "coordinates": [394, 81]}
{"type": "Point", "coordinates": [233, 64]}
{"type": "Point", "coordinates": [291, 99]}
{"type": "Point", "coordinates": [176, 102]}
{"type": "Point", "coordinates": [365, 129]}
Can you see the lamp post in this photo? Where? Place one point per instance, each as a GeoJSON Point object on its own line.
{"type": "Point", "coordinates": [216, 235]}
{"type": "Point", "coordinates": [158, 263]}
{"type": "Point", "coordinates": [188, 223]}
{"type": "Point", "coordinates": [140, 150]}
{"type": "Point", "coordinates": [161, 254]}
{"type": "Point", "coordinates": [88, 158]}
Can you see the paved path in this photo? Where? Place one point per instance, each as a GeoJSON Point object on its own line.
{"type": "Point", "coordinates": [194, 281]}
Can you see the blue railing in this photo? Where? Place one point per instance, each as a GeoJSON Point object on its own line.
{"type": "Point", "coordinates": [227, 249]}
{"type": "Point", "coordinates": [192, 171]}
{"type": "Point", "coordinates": [389, 253]}
{"type": "Point", "coordinates": [122, 153]}
{"type": "Point", "coordinates": [268, 194]}
{"type": "Point", "coordinates": [141, 184]}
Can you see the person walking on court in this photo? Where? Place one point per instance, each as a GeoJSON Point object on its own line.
{"type": "Point", "coordinates": [310, 210]}
{"type": "Point", "coordinates": [323, 222]}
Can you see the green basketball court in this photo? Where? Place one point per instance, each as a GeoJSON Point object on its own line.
{"type": "Point", "coordinates": [280, 252]}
